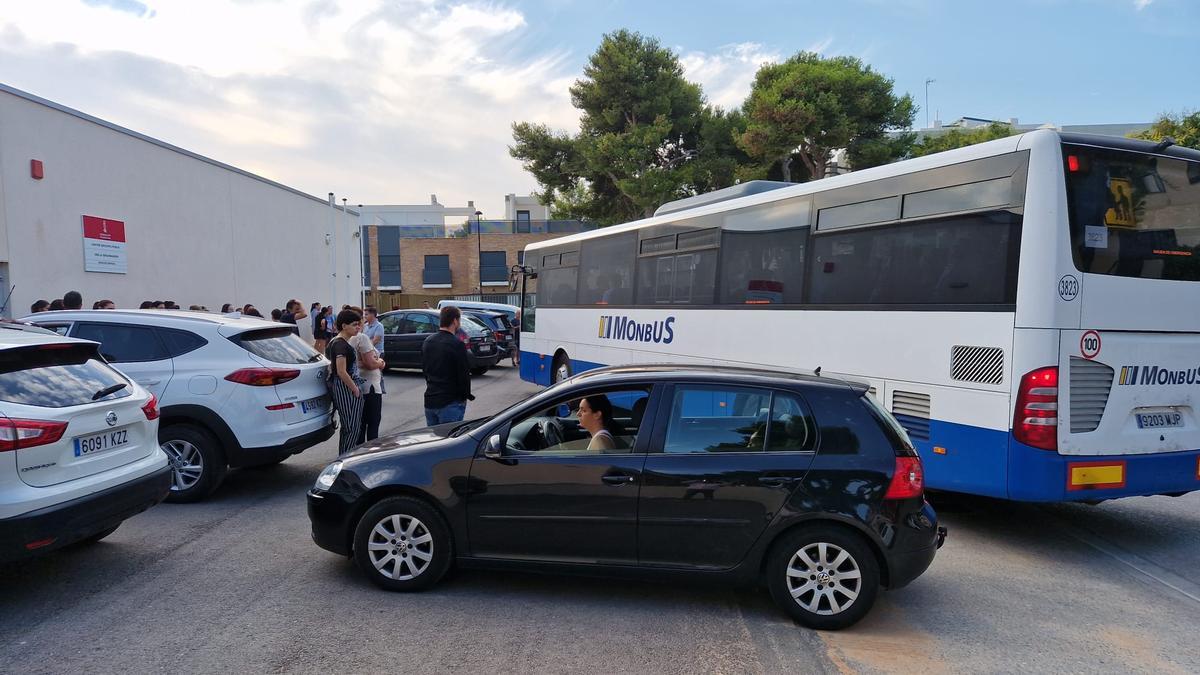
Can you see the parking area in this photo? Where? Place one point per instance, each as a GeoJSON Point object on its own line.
{"type": "Point", "coordinates": [235, 584]}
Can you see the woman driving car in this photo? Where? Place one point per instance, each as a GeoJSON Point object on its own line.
{"type": "Point", "coordinates": [596, 416]}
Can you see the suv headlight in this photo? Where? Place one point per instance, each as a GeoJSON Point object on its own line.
{"type": "Point", "coordinates": [330, 474]}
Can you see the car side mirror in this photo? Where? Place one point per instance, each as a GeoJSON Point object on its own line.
{"type": "Point", "coordinates": [494, 448]}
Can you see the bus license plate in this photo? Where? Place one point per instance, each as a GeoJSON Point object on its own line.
{"type": "Point", "coordinates": [319, 403]}
{"type": "Point", "coordinates": [1159, 420]}
{"type": "Point", "coordinates": [90, 445]}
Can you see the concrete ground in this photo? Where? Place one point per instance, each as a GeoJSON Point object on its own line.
{"type": "Point", "coordinates": [235, 585]}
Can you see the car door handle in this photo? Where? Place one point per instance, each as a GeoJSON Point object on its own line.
{"type": "Point", "coordinates": [617, 478]}
{"type": "Point", "coordinates": [777, 481]}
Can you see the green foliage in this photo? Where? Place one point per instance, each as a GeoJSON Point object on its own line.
{"type": "Point", "coordinates": [959, 138]}
{"type": "Point", "coordinates": [640, 128]}
{"type": "Point", "coordinates": [809, 106]}
{"type": "Point", "coordinates": [1183, 127]}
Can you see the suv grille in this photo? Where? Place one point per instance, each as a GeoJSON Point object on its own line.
{"type": "Point", "coordinates": [1090, 385]}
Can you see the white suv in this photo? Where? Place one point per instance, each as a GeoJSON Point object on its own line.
{"type": "Point", "coordinates": [234, 391]}
{"type": "Point", "coordinates": [77, 445]}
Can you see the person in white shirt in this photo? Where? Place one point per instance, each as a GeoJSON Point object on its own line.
{"type": "Point", "coordinates": [371, 368]}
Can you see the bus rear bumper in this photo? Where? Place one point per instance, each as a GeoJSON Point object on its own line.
{"type": "Point", "coordinates": [1046, 476]}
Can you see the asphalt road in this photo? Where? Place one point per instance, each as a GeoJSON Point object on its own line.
{"type": "Point", "coordinates": [235, 585]}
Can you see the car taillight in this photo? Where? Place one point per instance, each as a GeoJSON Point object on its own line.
{"type": "Point", "coordinates": [151, 408]}
{"type": "Point", "coordinates": [1035, 422]}
{"type": "Point", "coordinates": [18, 434]}
{"type": "Point", "coordinates": [908, 480]}
{"type": "Point", "coordinates": [263, 377]}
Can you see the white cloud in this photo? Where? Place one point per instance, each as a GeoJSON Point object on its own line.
{"type": "Point", "coordinates": [726, 76]}
{"type": "Point", "coordinates": [1142, 4]}
{"type": "Point", "coordinates": [380, 100]}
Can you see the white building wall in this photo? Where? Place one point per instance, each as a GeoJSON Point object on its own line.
{"type": "Point", "coordinates": [198, 232]}
{"type": "Point", "coordinates": [514, 203]}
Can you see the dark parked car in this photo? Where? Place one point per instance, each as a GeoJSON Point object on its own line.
{"type": "Point", "coordinates": [404, 332]}
{"type": "Point", "coordinates": [800, 482]}
{"type": "Point", "coordinates": [501, 327]}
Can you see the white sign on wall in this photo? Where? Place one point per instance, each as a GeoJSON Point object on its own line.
{"type": "Point", "coordinates": [104, 245]}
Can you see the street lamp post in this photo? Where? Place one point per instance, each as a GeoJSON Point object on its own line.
{"type": "Point", "coordinates": [479, 250]}
{"type": "Point", "coordinates": [928, 81]}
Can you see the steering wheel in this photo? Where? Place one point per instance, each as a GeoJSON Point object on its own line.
{"type": "Point", "coordinates": [552, 432]}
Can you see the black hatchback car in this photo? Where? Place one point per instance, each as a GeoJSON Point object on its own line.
{"type": "Point", "coordinates": [801, 482]}
{"type": "Point", "coordinates": [404, 331]}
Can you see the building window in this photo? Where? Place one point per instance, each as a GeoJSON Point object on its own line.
{"type": "Point", "coordinates": [437, 272]}
{"type": "Point", "coordinates": [493, 268]}
{"type": "Point", "coordinates": [521, 257]}
{"type": "Point", "coordinates": [523, 222]}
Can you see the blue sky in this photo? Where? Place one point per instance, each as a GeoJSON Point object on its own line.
{"type": "Point", "coordinates": [388, 101]}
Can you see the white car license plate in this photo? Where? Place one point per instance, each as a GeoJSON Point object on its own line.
{"type": "Point", "coordinates": [1159, 420]}
{"type": "Point", "coordinates": [90, 445]}
{"type": "Point", "coordinates": [485, 349]}
{"type": "Point", "coordinates": [319, 403]}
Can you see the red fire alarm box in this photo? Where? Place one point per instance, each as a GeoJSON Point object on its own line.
{"type": "Point", "coordinates": [35, 169]}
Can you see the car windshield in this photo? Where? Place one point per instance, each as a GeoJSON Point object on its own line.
{"type": "Point", "coordinates": [472, 326]}
{"type": "Point", "coordinates": [58, 376]}
{"type": "Point", "coordinates": [278, 345]}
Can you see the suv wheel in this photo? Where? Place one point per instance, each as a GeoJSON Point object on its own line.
{"type": "Point", "coordinates": [824, 577]}
{"type": "Point", "coordinates": [197, 463]}
{"type": "Point", "coordinates": [402, 544]}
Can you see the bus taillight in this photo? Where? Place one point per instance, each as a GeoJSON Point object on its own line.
{"type": "Point", "coordinates": [1036, 420]}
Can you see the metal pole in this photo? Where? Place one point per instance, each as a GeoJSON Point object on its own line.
{"type": "Point", "coordinates": [479, 250]}
{"type": "Point", "coordinates": [349, 249]}
{"type": "Point", "coordinates": [928, 81]}
{"type": "Point", "coordinates": [333, 252]}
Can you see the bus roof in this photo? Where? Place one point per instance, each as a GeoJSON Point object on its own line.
{"type": "Point", "coordinates": [989, 149]}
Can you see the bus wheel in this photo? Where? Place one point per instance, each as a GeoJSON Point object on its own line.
{"type": "Point", "coordinates": [562, 368]}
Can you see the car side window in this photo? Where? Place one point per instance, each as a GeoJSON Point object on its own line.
{"type": "Point", "coordinates": [600, 422]}
{"type": "Point", "coordinates": [180, 342]}
{"type": "Point", "coordinates": [421, 324]}
{"type": "Point", "coordinates": [391, 324]}
{"type": "Point", "coordinates": [792, 428]}
{"type": "Point", "coordinates": [707, 418]}
{"type": "Point", "coordinates": [120, 343]}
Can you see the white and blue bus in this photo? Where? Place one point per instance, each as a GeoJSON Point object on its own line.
{"type": "Point", "coordinates": [1028, 308]}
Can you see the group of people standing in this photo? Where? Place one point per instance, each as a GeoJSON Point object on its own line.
{"type": "Point", "coordinates": [355, 352]}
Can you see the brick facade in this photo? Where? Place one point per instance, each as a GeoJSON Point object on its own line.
{"type": "Point", "coordinates": [464, 260]}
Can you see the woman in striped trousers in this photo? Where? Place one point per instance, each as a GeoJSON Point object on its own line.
{"type": "Point", "coordinates": [344, 380]}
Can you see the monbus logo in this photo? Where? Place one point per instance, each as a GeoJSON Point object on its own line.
{"type": "Point", "coordinates": [625, 328]}
{"type": "Point", "coordinates": [1156, 375]}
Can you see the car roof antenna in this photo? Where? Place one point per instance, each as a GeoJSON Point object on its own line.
{"type": "Point", "coordinates": [1165, 143]}
{"type": "Point", "coordinates": [817, 372]}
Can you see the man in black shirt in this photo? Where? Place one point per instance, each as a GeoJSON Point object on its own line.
{"type": "Point", "coordinates": [447, 371]}
{"type": "Point", "coordinates": [295, 312]}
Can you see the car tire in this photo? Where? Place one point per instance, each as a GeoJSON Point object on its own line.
{"type": "Point", "coordinates": [384, 547]}
{"type": "Point", "coordinates": [803, 559]}
{"type": "Point", "coordinates": [86, 541]}
{"type": "Point", "coordinates": [561, 368]}
{"type": "Point", "coordinates": [197, 463]}
{"type": "Point", "coordinates": [479, 371]}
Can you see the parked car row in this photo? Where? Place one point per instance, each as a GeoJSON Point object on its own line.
{"type": "Point", "coordinates": [232, 391]}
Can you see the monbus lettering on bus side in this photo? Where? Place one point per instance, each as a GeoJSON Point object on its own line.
{"type": "Point", "coordinates": [625, 328]}
{"type": "Point", "coordinates": [1157, 375]}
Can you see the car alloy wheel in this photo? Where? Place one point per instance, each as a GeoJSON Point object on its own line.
{"type": "Point", "coordinates": [825, 576]}
{"type": "Point", "coordinates": [403, 544]}
{"type": "Point", "coordinates": [400, 547]}
{"type": "Point", "coordinates": [824, 579]}
{"type": "Point", "coordinates": [187, 464]}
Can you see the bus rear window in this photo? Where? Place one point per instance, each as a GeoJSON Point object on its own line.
{"type": "Point", "coordinates": [1133, 214]}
